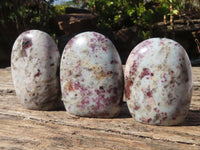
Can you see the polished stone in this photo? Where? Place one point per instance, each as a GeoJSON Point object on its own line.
{"type": "Point", "coordinates": [34, 64]}
{"type": "Point", "coordinates": [91, 76]}
{"type": "Point", "coordinates": [158, 82]}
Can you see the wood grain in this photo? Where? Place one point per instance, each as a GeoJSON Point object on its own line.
{"type": "Point", "coordinates": [27, 129]}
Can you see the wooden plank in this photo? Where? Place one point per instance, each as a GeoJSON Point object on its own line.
{"type": "Point", "coordinates": [27, 129]}
{"type": "Point", "coordinates": [6, 85]}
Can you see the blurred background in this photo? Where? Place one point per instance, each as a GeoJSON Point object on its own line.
{"type": "Point", "coordinates": [125, 22]}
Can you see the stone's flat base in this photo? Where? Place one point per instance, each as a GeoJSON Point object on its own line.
{"type": "Point", "coordinates": [26, 129]}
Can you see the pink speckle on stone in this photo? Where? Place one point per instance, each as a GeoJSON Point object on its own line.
{"type": "Point", "coordinates": [114, 62]}
{"type": "Point", "coordinates": [149, 120]}
{"type": "Point", "coordinates": [136, 106]}
{"type": "Point", "coordinates": [84, 103]}
{"type": "Point", "coordinates": [165, 77]}
{"type": "Point", "coordinates": [164, 118]}
{"type": "Point", "coordinates": [149, 93]}
{"type": "Point", "coordinates": [93, 46]}
{"type": "Point", "coordinates": [109, 72]}
{"type": "Point", "coordinates": [104, 48]}
{"type": "Point", "coordinates": [145, 72]}
{"type": "Point", "coordinates": [38, 73]}
{"type": "Point", "coordinates": [156, 110]}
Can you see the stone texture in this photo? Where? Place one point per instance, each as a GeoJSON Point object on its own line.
{"type": "Point", "coordinates": [34, 64]}
{"type": "Point", "coordinates": [91, 76]}
{"type": "Point", "coordinates": [158, 82]}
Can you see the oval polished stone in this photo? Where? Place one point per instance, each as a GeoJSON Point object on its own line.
{"type": "Point", "coordinates": [34, 64]}
{"type": "Point", "coordinates": [158, 82]}
{"type": "Point", "coordinates": [91, 76]}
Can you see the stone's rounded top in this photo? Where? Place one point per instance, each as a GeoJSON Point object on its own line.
{"type": "Point", "coordinates": [161, 43]}
{"type": "Point", "coordinates": [156, 49]}
{"type": "Point", "coordinates": [33, 32]}
{"type": "Point", "coordinates": [34, 41]}
{"type": "Point", "coordinates": [88, 37]}
{"type": "Point", "coordinates": [38, 35]}
{"type": "Point", "coordinates": [92, 46]}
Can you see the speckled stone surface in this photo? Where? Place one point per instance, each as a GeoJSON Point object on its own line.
{"type": "Point", "coordinates": [158, 82]}
{"type": "Point", "coordinates": [91, 76]}
{"type": "Point", "coordinates": [34, 64]}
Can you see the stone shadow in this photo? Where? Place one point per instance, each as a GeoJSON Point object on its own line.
{"type": "Point", "coordinates": [192, 119]}
{"type": "Point", "coordinates": [124, 113]}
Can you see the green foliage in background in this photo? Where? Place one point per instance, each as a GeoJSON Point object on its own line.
{"type": "Point", "coordinates": [116, 14]}
{"type": "Point", "coordinates": [112, 14]}
{"type": "Point", "coordinates": [60, 9]}
{"type": "Point", "coordinates": [26, 14]}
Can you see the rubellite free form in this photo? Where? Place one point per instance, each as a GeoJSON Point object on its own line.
{"type": "Point", "coordinates": [158, 82]}
{"type": "Point", "coordinates": [91, 76]}
{"type": "Point", "coordinates": [34, 64]}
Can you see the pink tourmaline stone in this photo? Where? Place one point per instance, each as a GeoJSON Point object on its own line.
{"type": "Point", "coordinates": [91, 76]}
{"type": "Point", "coordinates": [34, 64]}
{"type": "Point", "coordinates": [158, 82]}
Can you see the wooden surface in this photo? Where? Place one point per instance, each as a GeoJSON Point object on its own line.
{"type": "Point", "coordinates": [28, 129]}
